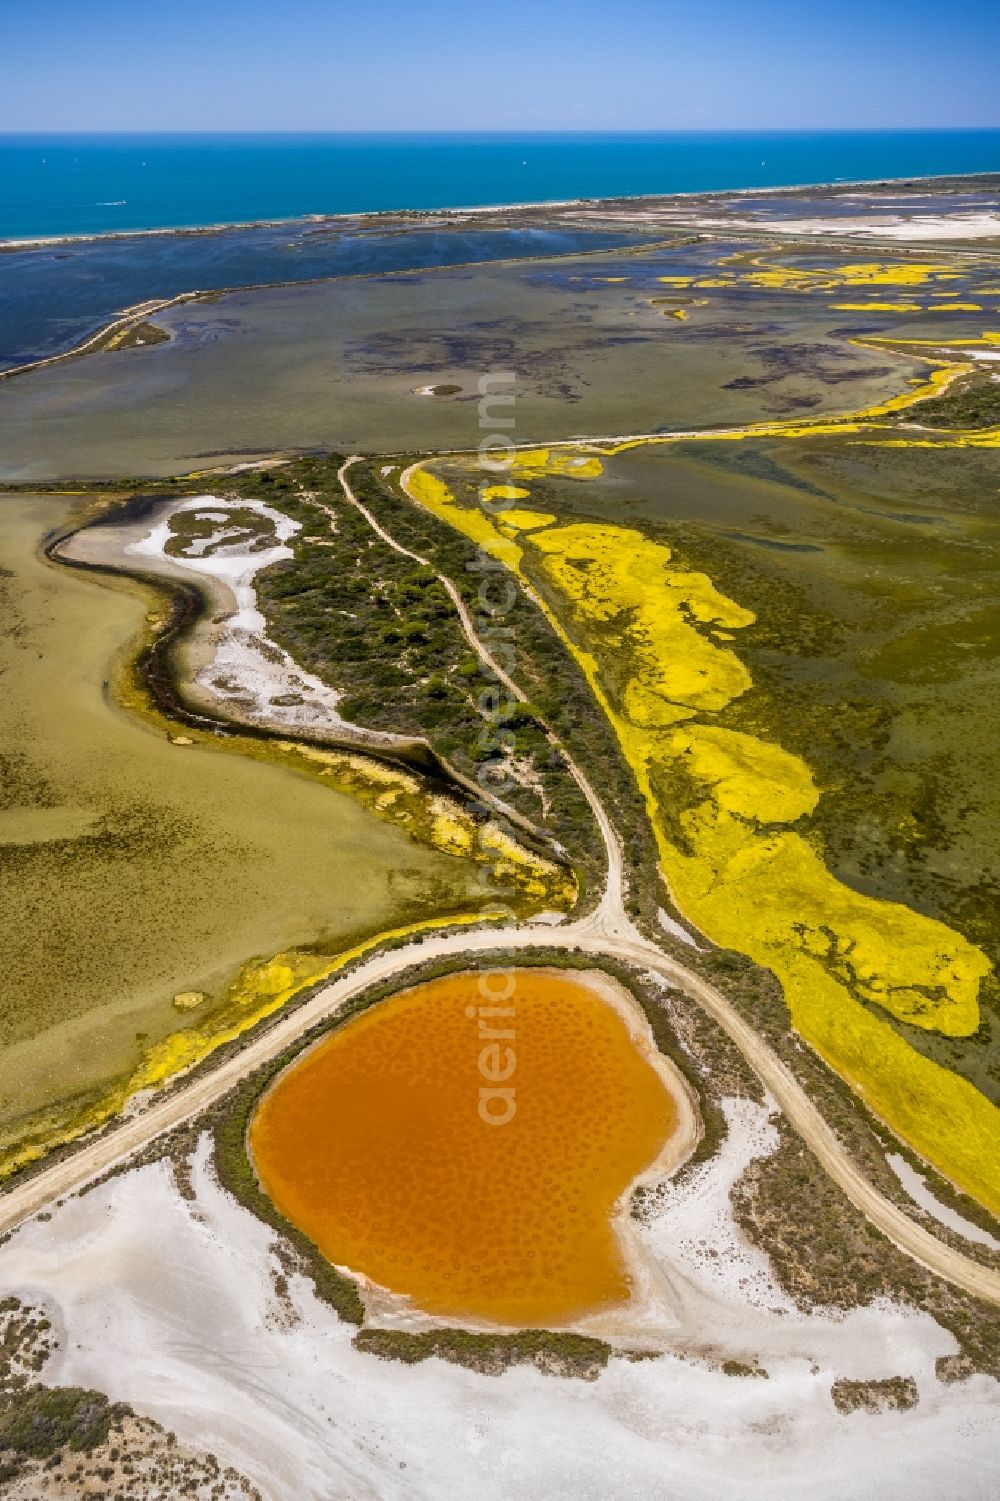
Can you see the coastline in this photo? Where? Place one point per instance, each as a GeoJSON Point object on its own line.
{"type": "Point", "coordinates": [495, 217]}
{"type": "Point", "coordinates": [39, 242]}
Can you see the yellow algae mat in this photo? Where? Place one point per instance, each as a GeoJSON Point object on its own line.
{"type": "Point", "coordinates": [654, 641]}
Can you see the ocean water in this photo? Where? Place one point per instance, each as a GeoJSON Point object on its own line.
{"type": "Point", "coordinates": [73, 185]}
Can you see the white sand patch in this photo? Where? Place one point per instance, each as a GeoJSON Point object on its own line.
{"type": "Point", "coordinates": [963, 352]}
{"type": "Point", "coordinates": [253, 464]}
{"type": "Point", "coordinates": [725, 1298]}
{"type": "Point", "coordinates": [247, 670]}
{"type": "Point", "coordinates": [694, 1229]}
{"type": "Point", "coordinates": [674, 928]}
{"type": "Point", "coordinates": [959, 226]}
{"type": "Point", "coordinates": [921, 1194]}
{"type": "Point", "coordinates": [171, 1306]}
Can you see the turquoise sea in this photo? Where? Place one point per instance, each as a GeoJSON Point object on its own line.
{"type": "Point", "coordinates": [75, 185]}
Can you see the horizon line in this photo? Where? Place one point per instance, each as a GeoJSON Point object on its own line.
{"type": "Point", "coordinates": [555, 130]}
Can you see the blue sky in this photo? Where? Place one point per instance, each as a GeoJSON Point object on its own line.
{"type": "Point", "coordinates": [505, 64]}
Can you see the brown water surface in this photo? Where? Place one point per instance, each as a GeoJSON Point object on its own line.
{"type": "Point", "coordinates": [375, 1145]}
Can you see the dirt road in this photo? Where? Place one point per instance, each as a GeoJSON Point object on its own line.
{"type": "Point", "coordinates": [66, 1176]}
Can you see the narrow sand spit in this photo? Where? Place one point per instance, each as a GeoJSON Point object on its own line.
{"type": "Point", "coordinates": [173, 1305]}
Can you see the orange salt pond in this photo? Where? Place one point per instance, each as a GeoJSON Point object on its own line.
{"type": "Point", "coordinates": [469, 1151]}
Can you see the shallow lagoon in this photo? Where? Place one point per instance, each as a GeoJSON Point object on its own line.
{"type": "Point", "coordinates": [594, 344]}
{"type": "Point", "coordinates": [136, 869]}
{"type": "Point", "coordinates": [54, 296]}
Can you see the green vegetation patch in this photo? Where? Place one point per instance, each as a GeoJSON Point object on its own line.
{"type": "Point", "coordinates": [382, 630]}
{"type": "Point", "coordinates": [559, 692]}
{"type": "Point", "coordinates": [492, 1354]}
{"type": "Point", "coordinates": [197, 532]}
{"type": "Point", "coordinates": [894, 1394]}
{"type": "Point", "coordinates": [972, 402]}
{"type": "Point", "coordinates": [47, 1419]}
{"type": "Point", "coordinates": [137, 336]}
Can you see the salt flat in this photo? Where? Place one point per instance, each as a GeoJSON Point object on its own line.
{"type": "Point", "coordinates": [170, 1304]}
